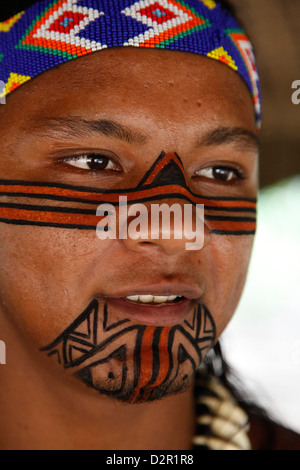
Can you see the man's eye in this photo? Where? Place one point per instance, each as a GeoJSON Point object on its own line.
{"type": "Point", "coordinates": [222, 174]}
{"type": "Point", "coordinates": [92, 162]}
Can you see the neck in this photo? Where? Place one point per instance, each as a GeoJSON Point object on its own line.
{"type": "Point", "coordinates": [42, 408]}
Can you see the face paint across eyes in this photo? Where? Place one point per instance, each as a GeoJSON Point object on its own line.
{"type": "Point", "coordinates": [164, 180]}
{"type": "Point", "coordinates": [133, 362]}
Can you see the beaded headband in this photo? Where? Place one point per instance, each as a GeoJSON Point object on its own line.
{"type": "Point", "coordinates": [50, 33]}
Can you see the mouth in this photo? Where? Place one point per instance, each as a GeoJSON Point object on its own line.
{"type": "Point", "coordinates": [163, 306]}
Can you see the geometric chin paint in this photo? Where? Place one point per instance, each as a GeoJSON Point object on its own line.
{"type": "Point", "coordinates": [133, 362]}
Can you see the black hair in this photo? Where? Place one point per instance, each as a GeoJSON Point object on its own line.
{"type": "Point", "coordinates": [215, 365]}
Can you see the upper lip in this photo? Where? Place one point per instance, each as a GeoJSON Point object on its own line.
{"type": "Point", "coordinates": [161, 289]}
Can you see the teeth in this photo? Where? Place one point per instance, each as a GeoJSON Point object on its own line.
{"type": "Point", "coordinates": [146, 299]}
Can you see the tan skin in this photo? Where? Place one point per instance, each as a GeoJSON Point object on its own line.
{"type": "Point", "coordinates": [48, 276]}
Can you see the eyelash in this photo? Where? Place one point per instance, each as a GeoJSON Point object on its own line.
{"type": "Point", "coordinates": [238, 174]}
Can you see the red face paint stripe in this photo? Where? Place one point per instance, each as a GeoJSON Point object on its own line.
{"type": "Point", "coordinates": [174, 190]}
{"type": "Point", "coordinates": [164, 359]}
{"type": "Point", "coordinates": [146, 366]}
{"type": "Point", "coordinates": [49, 217]}
{"type": "Point", "coordinates": [40, 191]}
{"type": "Point", "coordinates": [65, 217]}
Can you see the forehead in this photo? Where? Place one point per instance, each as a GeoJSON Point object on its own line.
{"type": "Point", "coordinates": [169, 86]}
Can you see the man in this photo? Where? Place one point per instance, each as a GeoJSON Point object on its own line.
{"type": "Point", "coordinates": [132, 317]}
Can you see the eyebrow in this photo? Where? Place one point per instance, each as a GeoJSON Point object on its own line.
{"type": "Point", "coordinates": [66, 128]}
{"type": "Point", "coordinates": [244, 138]}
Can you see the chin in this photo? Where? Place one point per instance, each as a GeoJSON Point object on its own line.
{"type": "Point", "coordinates": [133, 362]}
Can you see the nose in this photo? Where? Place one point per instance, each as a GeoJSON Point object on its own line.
{"type": "Point", "coordinates": [172, 227]}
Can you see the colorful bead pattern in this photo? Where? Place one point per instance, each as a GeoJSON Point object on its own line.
{"type": "Point", "coordinates": [53, 32]}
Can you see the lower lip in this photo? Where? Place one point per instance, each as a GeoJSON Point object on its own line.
{"type": "Point", "coordinates": [149, 314]}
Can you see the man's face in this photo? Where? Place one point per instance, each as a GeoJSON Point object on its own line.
{"type": "Point", "coordinates": [101, 122]}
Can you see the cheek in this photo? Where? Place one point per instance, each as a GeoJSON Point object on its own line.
{"type": "Point", "coordinates": [46, 274]}
{"type": "Point", "coordinates": [228, 265]}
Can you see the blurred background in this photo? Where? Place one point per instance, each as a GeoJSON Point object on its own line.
{"type": "Point", "coordinates": [262, 342]}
